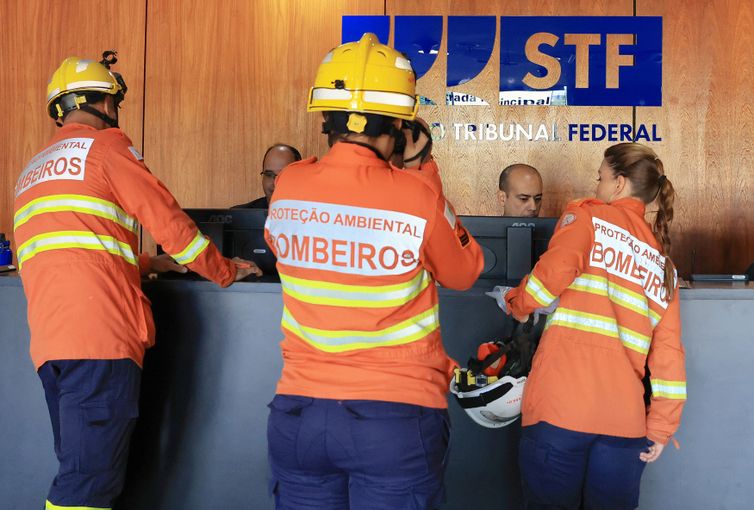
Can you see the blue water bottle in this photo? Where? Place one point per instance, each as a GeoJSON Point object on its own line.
{"type": "Point", "coordinates": [6, 256]}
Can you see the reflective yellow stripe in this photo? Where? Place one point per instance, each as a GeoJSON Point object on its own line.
{"type": "Point", "coordinates": [75, 203]}
{"type": "Point", "coordinates": [602, 325]}
{"type": "Point", "coordinates": [538, 291]}
{"type": "Point", "coordinates": [193, 250]}
{"type": "Point", "coordinates": [74, 239]}
{"type": "Point", "coordinates": [634, 340]}
{"type": "Point", "coordinates": [582, 321]}
{"type": "Point", "coordinates": [618, 294]}
{"type": "Point", "coordinates": [52, 506]}
{"type": "Point", "coordinates": [408, 331]}
{"type": "Point", "coordinates": [354, 296]}
{"type": "Point", "coordinates": [675, 390]}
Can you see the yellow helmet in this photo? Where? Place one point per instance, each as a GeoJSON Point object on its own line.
{"type": "Point", "coordinates": [79, 76]}
{"type": "Point", "coordinates": [367, 77]}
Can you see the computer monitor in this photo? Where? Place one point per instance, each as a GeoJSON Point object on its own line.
{"type": "Point", "coordinates": [242, 234]}
{"type": "Point", "coordinates": [511, 246]}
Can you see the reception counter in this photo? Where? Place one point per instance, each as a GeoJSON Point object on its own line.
{"type": "Point", "coordinates": [200, 443]}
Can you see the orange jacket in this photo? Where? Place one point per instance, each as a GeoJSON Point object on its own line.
{"type": "Point", "coordinates": [613, 318]}
{"type": "Point", "coordinates": [77, 205]}
{"type": "Point", "coordinates": [359, 247]}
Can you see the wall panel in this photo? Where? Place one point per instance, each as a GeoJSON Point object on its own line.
{"type": "Point", "coordinates": [225, 80]}
{"type": "Point", "coordinates": [470, 169]}
{"type": "Point", "coordinates": [707, 122]}
{"type": "Point", "coordinates": [36, 36]}
{"type": "Point", "coordinates": [228, 79]}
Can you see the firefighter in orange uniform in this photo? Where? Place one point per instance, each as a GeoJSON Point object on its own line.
{"type": "Point", "coordinates": [77, 207]}
{"type": "Point", "coordinates": [360, 417]}
{"type": "Point", "coordinates": [587, 434]}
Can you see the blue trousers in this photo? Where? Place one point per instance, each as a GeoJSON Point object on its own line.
{"type": "Point", "coordinates": [93, 406]}
{"type": "Point", "coordinates": [563, 469]}
{"type": "Point", "coordinates": [356, 454]}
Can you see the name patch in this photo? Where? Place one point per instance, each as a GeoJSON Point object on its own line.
{"type": "Point", "coordinates": [65, 160]}
{"type": "Point", "coordinates": [619, 253]}
{"type": "Point", "coordinates": [345, 239]}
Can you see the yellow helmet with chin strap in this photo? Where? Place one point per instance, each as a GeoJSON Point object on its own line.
{"type": "Point", "coordinates": [76, 77]}
{"type": "Point", "coordinates": [365, 77]}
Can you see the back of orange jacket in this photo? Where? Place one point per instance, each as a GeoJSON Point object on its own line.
{"type": "Point", "coordinates": [360, 245]}
{"type": "Point", "coordinates": [77, 208]}
{"type": "Point", "coordinates": [613, 318]}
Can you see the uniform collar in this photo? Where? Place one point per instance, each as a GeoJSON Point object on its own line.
{"type": "Point", "coordinates": [632, 204]}
{"type": "Point", "coordinates": [76, 126]}
{"type": "Point", "coordinates": [354, 154]}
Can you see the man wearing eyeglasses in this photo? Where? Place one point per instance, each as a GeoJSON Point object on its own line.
{"type": "Point", "coordinates": [275, 159]}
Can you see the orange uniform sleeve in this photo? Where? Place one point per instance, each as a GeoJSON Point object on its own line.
{"type": "Point", "coordinates": [449, 252]}
{"type": "Point", "coordinates": [565, 259]}
{"type": "Point", "coordinates": [143, 196]}
{"type": "Point", "coordinates": [667, 369]}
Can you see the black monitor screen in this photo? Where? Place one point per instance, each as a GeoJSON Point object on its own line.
{"type": "Point", "coordinates": [511, 246]}
{"type": "Point", "coordinates": [242, 234]}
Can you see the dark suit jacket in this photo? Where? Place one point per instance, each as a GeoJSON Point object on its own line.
{"type": "Point", "coordinates": [259, 203]}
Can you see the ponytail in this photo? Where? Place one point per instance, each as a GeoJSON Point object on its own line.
{"type": "Point", "coordinates": [640, 165]}
{"type": "Point", "coordinates": [661, 227]}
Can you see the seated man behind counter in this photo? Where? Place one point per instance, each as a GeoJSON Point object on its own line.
{"type": "Point", "coordinates": [275, 159]}
{"type": "Point", "coordinates": [520, 191]}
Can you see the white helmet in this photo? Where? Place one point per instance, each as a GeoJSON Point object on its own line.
{"type": "Point", "coordinates": [490, 390]}
{"type": "Point", "coordinates": [495, 405]}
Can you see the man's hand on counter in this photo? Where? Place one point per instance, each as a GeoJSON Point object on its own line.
{"type": "Point", "coordinates": [164, 263]}
{"type": "Point", "coordinates": [245, 268]}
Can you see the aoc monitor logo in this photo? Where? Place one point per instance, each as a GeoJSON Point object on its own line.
{"type": "Point", "coordinates": [544, 60]}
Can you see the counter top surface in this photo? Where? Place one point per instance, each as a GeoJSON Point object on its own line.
{"type": "Point", "coordinates": [697, 290]}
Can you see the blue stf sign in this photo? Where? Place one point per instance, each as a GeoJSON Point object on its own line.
{"type": "Point", "coordinates": [588, 61]}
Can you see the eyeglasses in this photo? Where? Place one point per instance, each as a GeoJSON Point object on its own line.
{"type": "Point", "coordinates": [268, 173]}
